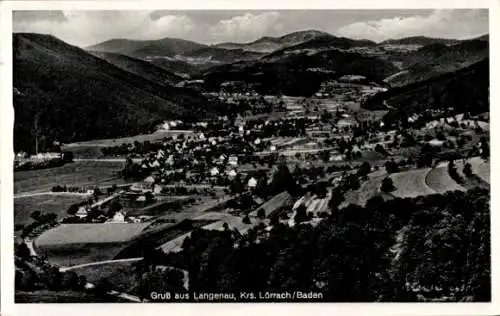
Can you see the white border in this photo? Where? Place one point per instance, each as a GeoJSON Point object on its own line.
{"type": "Point", "coordinates": [6, 158]}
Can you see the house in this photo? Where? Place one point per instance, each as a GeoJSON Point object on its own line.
{"type": "Point", "coordinates": [82, 212]}
{"type": "Point", "coordinates": [232, 173]}
{"type": "Point", "coordinates": [214, 172]}
{"type": "Point", "coordinates": [252, 182]}
{"type": "Point", "coordinates": [233, 160]}
{"type": "Point", "coordinates": [119, 217]}
{"type": "Point", "coordinates": [436, 143]}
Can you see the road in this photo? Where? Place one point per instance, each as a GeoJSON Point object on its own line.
{"type": "Point", "coordinates": [105, 159]}
{"type": "Point", "coordinates": [97, 263]}
{"type": "Point", "coordinates": [30, 194]}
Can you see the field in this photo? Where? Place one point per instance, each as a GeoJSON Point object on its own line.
{"type": "Point", "coordinates": [127, 140]}
{"type": "Point", "coordinates": [481, 168]}
{"type": "Point", "coordinates": [68, 234]}
{"type": "Point", "coordinates": [440, 181]}
{"type": "Point", "coordinates": [46, 296]}
{"type": "Point", "coordinates": [120, 274]}
{"type": "Point", "coordinates": [79, 173]}
{"type": "Point", "coordinates": [411, 183]}
{"type": "Point", "coordinates": [369, 189]}
{"type": "Point", "coordinates": [57, 204]}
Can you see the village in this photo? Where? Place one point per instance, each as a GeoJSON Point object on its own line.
{"type": "Point", "coordinates": [272, 159]}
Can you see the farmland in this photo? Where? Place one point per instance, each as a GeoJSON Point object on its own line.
{"type": "Point", "coordinates": [58, 205]}
{"type": "Point", "coordinates": [481, 168]}
{"type": "Point", "coordinates": [440, 181]}
{"type": "Point", "coordinates": [80, 173]}
{"type": "Point", "coordinates": [369, 189]}
{"type": "Point", "coordinates": [411, 183]}
{"type": "Point", "coordinates": [128, 140]}
{"type": "Point", "coordinates": [121, 274]}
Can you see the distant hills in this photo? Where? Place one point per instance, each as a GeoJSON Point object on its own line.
{"type": "Point", "coordinates": [73, 95]}
{"type": "Point", "coordinates": [123, 87]}
{"type": "Point", "coordinates": [298, 74]}
{"type": "Point", "coordinates": [141, 68]}
{"type": "Point", "coordinates": [136, 48]}
{"type": "Point", "coordinates": [424, 40]}
{"type": "Point", "coordinates": [268, 44]}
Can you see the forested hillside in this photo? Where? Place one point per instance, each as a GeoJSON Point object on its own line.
{"type": "Point", "coordinates": [433, 248]}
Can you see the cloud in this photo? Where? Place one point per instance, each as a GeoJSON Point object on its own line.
{"type": "Point", "coordinates": [439, 23]}
{"type": "Point", "coordinates": [85, 28]}
{"type": "Point", "coordinates": [247, 27]}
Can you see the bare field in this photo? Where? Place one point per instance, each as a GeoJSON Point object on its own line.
{"type": "Point", "coordinates": [440, 181]}
{"type": "Point", "coordinates": [481, 168]}
{"type": "Point", "coordinates": [411, 183]}
{"type": "Point", "coordinates": [79, 173]}
{"type": "Point", "coordinates": [57, 204]}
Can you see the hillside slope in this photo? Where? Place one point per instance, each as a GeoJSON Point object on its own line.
{"type": "Point", "coordinates": [436, 59]}
{"type": "Point", "coordinates": [298, 74]}
{"type": "Point", "coordinates": [136, 48]}
{"type": "Point", "coordinates": [140, 67]}
{"type": "Point", "coordinates": [76, 96]}
{"type": "Point", "coordinates": [268, 44]}
{"type": "Point", "coordinates": [463, 90]}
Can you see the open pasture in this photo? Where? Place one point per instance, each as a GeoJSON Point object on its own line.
{"type": "Point", "coordinates": [156, 136]}
{"type": "Point", "coordinates": [440, 181]}
{"type": "Point", "coordinates": [57, 204]}
{"type": "Point", "coordinates": [411, 183]}
{"type": "Point", "coordinates": [80, 173]}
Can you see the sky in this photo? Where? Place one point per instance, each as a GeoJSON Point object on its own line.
{"type": "Point", "coordinates": [84, 28]}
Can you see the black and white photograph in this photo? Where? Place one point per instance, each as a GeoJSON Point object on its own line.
{"type": "Point", "coordinates": [251, 156]}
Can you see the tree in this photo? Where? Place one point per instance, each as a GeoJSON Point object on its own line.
{"type": "Point", "coordinates": [246, 220]}
{"type": "Point", "coordinates": [468, 170]}
{"type": "Point", "coordinates": [23, 251]}
{"type": "Point", "coordinates": [301, 214]}
{"type": "Point", "coordinates": [391, 166]}
{"type": "Point", "coordinates": [36, 215]}
{"type": "Point", "coordinates": [103, 286]}
{"type": "Point", "coordinates": [261, 213]}
{"type": "Point", "coordinates": [73, 209]}
{"type": "Point", "coordinates": [113, 208]}
{"type": "Point", "coordinates": [364, 169]}
{"type": "Point", "coordinates": [387, 185]}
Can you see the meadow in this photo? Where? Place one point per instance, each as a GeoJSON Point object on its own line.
{"type": "Point", "coordinates": [80, 173]}
{"type": "Point", "coordinates": [57, 204]}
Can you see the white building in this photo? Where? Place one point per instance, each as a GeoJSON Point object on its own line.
{"type": "Point", "coordinates": [119, 217]}
{"type": "Point", "coordinates": [214, 171]}
{"type": "Point", "coordinates": [233, 161]}
{"type": "Point", "coordinates": [252, 182]}
{"type": "Point", "coordinates": [82, 212]}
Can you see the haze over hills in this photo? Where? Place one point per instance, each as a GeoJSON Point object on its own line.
{"type": "Point", "coordinates": [73, 95]}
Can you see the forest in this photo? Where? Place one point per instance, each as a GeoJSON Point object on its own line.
{"type": "Point", "coordinates": [433, 248]}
